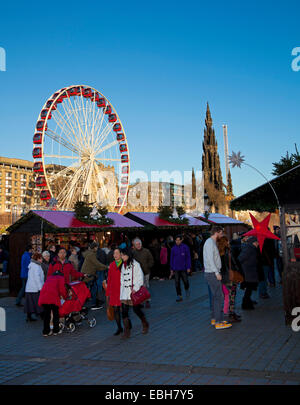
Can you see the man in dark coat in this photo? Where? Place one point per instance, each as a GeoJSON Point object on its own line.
{"type": "Point", "coordinates": [248, 260]}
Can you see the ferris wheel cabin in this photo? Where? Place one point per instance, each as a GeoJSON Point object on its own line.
{"type": "Point", "coordinates": [63, 95]}
{"type": "Point", "coordinates": [117, 127]}
{"type": "Point", "coordinates": [124, 159]}
{"type": "Point", "coordinates": [108, 110]}
{"type": "Point", "coordinates": [40, 125]}
{"type": "Point", "coordinates": [120, 137]}
{"type": "Point", "coordinates": [37, 138]}
{"type": "Point", "coordinates": [125, 170]}
{"type": "Point", "coordinates": [45, 195]}
{"type": "Point", "coordinates": [96, 97]}
{"type": "Point", "coordinates": [40, 181]}
{"type": "Point", "coordinates": [87, 93]}
{"type": "Point", "coordinates": [44, 114]}
{"type": "Point", "coordinates": [49, 103]}
{"type": "Point", "coordinates": [38, 167]}
{"type": "Point", "coordinates": [101, 102]}
{"type": "Point", "coordinates": [123, 147]}
{"type": "Point", "coordinates": [112, 118]}
{"type": "Point", "coordinates": [37, 153]}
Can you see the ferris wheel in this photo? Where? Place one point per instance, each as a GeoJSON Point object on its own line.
{"type": "Point", "coordinates": [80, 150]}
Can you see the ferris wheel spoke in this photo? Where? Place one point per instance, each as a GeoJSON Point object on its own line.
{"type": "Point", "coordinates": [107, 159]}
{"type": "Point", "coordinates": [106, 147]}
{"type": "Point", "coordinates": [99, 177]}
{"type": "Point", "coordinates": [85, 117]}
{"type": "Point", "coordinates": [99, 130]}
{"type": "Point", "coordinates": [95, 126]}
{"type": "Point", "coordinates": [87, 182]}
{"type": "Point", "coordinates": [103, 136]}
{"type": "Point", "coordinates": [70, 134]}
{"type": "Point", "coordinates": [75, 137]}
{"type": "Point", "coordinates": [92, 131]}
{"type": "Point", "coordinates": [68, 190]}
{"type": "Point", "coordinates": [61, 157]}
{"type": "Point", "coordinates": [63, 172]}
{"type": "Point", "coordinates": [76, 116]}
{"type": "Point", "coordinates": [53, 135]}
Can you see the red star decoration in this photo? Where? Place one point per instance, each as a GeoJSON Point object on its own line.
{"type": "Point", "coordinates": [261, 231]}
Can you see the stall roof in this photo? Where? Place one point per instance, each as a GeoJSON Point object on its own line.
{"type": "Point", "coordinates": [67, 220]}
{"type": "Point", "coordinates": [219, 219]}
{"type": "Point", "coordinates": [262, 198]}
{"type": "Point", "coordinates": [152, 218]}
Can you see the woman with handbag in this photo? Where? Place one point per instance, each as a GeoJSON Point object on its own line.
{"type": "Point", "coordinates": [113, 288]}
{"type": "Point", "coordinates": [229, 271]}
{"type": "Point", "coordinates": [132, 281]}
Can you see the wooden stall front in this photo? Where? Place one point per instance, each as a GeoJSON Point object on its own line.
{"type": "Point", "coordinates": [41, 228]}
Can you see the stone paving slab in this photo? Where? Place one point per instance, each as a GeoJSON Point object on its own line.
{"type": "Point", "coordinates": [181, 347]}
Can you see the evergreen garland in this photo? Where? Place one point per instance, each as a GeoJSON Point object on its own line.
{"type": "Point", "coordinates": [166, 214]}
{"type": "Point", "coordinates": [83, 214]}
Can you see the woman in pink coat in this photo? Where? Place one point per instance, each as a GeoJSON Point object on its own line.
{"type": "Point", "coordinates": [113, 288]}
{"type": "Point", "coordinates": [50, 299]}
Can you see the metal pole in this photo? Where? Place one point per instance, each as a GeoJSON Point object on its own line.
{"type": "Point", "coordinates": [285, 257]}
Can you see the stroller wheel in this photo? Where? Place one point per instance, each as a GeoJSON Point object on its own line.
{"type": "Point", "coordinates": [71, 327]}
{"type": "Point", "coordinates": [92, 322]}
{"type": "Point", "coordinates": [61, 326]}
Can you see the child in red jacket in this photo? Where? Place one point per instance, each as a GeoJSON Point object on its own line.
{"type": "Point", "coordinates": [51, 293]}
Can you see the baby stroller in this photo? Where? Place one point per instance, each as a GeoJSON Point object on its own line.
{"type": "Point", "coordinates": [73, 310]}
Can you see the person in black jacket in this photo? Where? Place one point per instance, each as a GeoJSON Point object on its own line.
{"type": "Point", "coordinates": [248, 260]}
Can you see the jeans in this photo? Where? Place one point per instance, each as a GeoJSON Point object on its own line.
{"type": "Point", "coordinates": [22, 291]}
{"type": "Point", "coordinates": [92, 286]}
{"type": "Point", "coordinates": [147, 283]}
{"type": "Point", "coordinates": [279, 265]}
{"type": "Point", "coordinates": [4, 266]}
{"type": "Point", "coordinates": [209, 296]}
{"type": "Point", "coordinates": [271, 275]}
{"type": "Point", "coordinates": [181, 274]}
{"type": "Point", "coordinates": [262, 285]}
{"type": "Point", "coordinates": [217, 296]}
{"type": "Point", "coordinates": [100, 278]}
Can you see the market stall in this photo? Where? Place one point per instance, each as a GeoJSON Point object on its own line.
{"type": "Point", "coordinates": [42, 228]}
{"type": "Point", "coordinates": [287, 205]}
{"type": "Point", "coordinates": [229, 224]}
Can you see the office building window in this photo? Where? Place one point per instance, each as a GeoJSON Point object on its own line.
{"type": "Point", "coordinates": [8, 174]}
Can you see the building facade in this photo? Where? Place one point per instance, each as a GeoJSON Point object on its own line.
{"type": "Point", "coordinates": [18, 192]}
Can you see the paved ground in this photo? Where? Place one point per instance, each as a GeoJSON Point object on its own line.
{"type": "Point", "coordinates": [181, 347]}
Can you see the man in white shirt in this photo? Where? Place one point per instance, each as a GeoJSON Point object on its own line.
{"type": "Point", "coordinates": [212, 268]}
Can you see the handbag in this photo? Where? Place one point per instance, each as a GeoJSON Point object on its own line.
{"type": "Point", "coordinates": [234, 275]}
{"type": "Point", "coordinates": [140, 296]}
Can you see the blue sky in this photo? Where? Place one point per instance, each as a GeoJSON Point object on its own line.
{"type": "Point", "coordinates": [159, 63]}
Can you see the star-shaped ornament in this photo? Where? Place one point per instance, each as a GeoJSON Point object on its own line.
{"type": "Point", "coordinates": [261, 231]}
{"type": "Point", "coordinates": [236, 159]}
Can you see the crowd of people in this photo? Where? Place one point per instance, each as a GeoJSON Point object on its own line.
{"type": "Point", "coordinates": [114, 271]}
